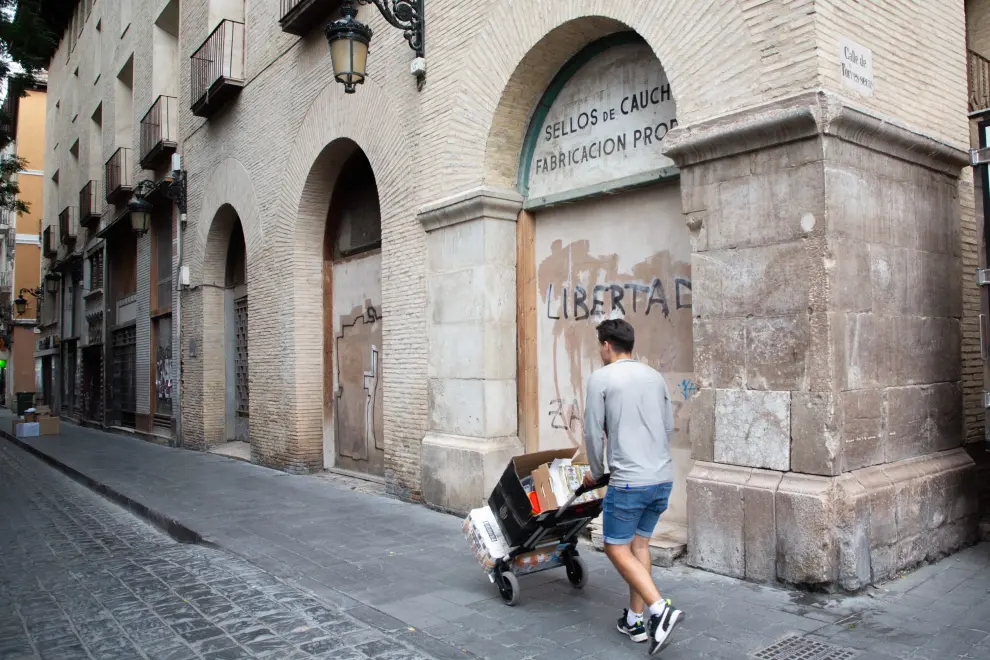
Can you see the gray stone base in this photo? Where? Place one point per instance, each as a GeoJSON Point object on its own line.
{"type": "Point", "coordinates": [458, 472]}
{"type": "Point", "coordinates": [843, 532]}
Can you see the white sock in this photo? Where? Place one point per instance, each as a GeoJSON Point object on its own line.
{"type": "Point", "coordinates": [656, 609]}
{"type": "Point", "coordinates": [632, 618]}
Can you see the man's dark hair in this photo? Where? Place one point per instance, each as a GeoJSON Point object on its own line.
{"type": "Point", "coordinates": [618, 333]}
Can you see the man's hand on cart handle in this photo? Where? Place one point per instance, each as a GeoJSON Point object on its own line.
{"type": "Point", "coordinates": [590, 483]}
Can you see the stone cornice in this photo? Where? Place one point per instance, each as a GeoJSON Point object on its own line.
{"type": "Point", "coordinates": [804, 116]}
{"type": "Point", "coordinates": [473, 204]}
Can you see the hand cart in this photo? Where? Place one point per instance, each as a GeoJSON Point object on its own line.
{"type": "Point", "coordinates": [547, 527]}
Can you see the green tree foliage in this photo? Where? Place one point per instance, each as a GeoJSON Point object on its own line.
{"type": "Point", "coordinates": [29, 34]}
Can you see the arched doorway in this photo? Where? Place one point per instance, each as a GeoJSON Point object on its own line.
{"type": "Point", "coordinates": [352, 293]}
{"type": "Point", "coordinates": [235, 301]}
{"type": "Point", "coordinates": [602, 235]}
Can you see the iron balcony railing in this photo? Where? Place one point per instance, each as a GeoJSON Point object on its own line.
{"type": "Point", "coordinates": [979, 82]}
{"type": "Point", "coordinates": [117, 175]}
{"type": "Point", "coordinates": [48, 247]}
{"type": "Point", "coordinates": [217, 68]}
{"type": "Point", "coordinates": [68, 225]}
{"type": "Point", "coordinates": [90, 206]}
{"type": "Point", "coordinates": [159, 131]}
{"type": "Point", "coordinates": [300, 17]}
{"type": "Point", "coordinates": [7, 218]}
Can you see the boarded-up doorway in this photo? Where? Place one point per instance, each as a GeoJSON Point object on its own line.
{"type": "Point", "coordinates": [236, 338]}
{"type": "Point", "coordinates": [353, 394]}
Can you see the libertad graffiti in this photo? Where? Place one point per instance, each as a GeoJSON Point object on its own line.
{"type": "Point", "coordinates": [578, 290]}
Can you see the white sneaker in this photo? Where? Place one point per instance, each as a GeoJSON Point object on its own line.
{"type": "Point", "coordinates": [661, 626]}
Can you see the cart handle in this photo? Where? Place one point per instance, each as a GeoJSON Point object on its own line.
{"type": "Point", "coordinates": [581, 490]}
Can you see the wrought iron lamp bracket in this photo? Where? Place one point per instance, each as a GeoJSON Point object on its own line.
{"type": "Point", "coordinates": [407, 15]}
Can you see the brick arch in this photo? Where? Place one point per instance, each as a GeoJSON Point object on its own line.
{"type": "Point", "coordinates": [333, 127]}
{"type": "Point", "coordinates": [532, 45]}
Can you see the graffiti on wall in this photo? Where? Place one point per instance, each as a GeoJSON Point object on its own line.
{"type": "Point", "coordinates": [579, 289]}
{"type": "Point", "coordinates": [163, 377]}
{"type": "Point", "coordinates": [359, 420]}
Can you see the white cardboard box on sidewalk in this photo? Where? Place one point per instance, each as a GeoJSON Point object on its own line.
{"type": "Point", "coordinates": [26, 429]}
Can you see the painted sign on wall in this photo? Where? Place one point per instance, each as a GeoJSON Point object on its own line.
{"type": "Point", "coordinates": [605, 128]}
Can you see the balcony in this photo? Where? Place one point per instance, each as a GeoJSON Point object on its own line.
{"type": "Point", "coordinates": [159, 132]}
{"type": "Point", "coordinates": [217, 69]}
{"type": "Point", "coordinates": [300, 17]}
{"type": "Point", "coordinates": [68, 226]}
{"type": "Point", "coordinates": [48, 248]}
{"type": "Point", "coordinates": [90, 206]}
{"type": "Point", "coordinates": [979, 83]}
{"type": "Point", "coordinates": [117, 175]}
{"type": "Point", "coordinates": [7, 219]}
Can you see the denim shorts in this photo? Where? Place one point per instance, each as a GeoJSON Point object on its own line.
{"type": "Point", "coordinates": [633, 510]}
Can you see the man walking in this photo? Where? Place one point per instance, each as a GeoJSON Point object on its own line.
{"type": "Point", "coordinates": [628, 402]}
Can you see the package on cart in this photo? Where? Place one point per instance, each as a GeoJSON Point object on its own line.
{"type": "Point", "coordinates": [556, 482]}
{"type": "Point", "coordinates": [538, 560]}
{"type": "Point", "coordinates": [484, 536]}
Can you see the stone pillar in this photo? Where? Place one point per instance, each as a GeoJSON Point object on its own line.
{"type": "Point", "coordinates": [471, 320]}
{"type": "Point", "coordinates": [826, 281]}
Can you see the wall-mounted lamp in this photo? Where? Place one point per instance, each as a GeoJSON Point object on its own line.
{"type": "Point", "coordinates": [20, 303]}
{"type": "Point", "coordinates": [349, 38]}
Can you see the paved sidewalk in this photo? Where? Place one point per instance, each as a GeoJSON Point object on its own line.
{"type": "Point", "coordinates": [81, 578]}
{"type": "Point", "coordinates": [412, 565]}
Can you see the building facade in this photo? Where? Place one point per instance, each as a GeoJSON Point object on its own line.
{"type": "Point", "coordinates": [20, 276]}
{"type": "Point", "coordinates": [404, 282]}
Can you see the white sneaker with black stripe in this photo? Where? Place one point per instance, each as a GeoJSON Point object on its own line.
{"type": "Point", "coordinates": [661, 625]}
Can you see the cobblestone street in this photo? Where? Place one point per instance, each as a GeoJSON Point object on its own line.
{"type": "Point", "coordinates": [82, 578]}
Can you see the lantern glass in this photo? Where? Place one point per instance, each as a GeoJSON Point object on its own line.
{"type": "Point", "coordinates": [349, 56]}
{"type": "Point", "coordinates": [20, 303]}
{"type": "Point", "coordinates": [140, 215]}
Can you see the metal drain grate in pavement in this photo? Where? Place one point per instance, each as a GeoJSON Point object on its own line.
{"type": "Point", "coordinates": [794, 647]}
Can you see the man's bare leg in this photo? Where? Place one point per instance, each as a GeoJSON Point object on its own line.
{"type": "Point", "coordinates": [634, 572]}
{"type": "Point", "coordinates": [641, 549]}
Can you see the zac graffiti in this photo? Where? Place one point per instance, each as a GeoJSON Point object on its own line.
{"type": "Point", "coordinates": [579, 289]}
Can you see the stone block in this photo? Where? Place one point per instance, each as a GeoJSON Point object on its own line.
{"type": "Point", "coordinates": [932, 284]}
{"type": "Point", "coordinates": [928, 350]}
{"type": "Point", "coordinates": [767, 208]}
{"type": "Point", "coordinates": [806, 544]}
{"type": "Point", "coordinates": [862, 429]}
{"type": "Point", "coordinates": [473, 407]}
{"type": "Point", "coordinates": [908, 424]}
{"type": "Point", "coordinates": [702, 427]}
{"type": "Point", "coordinates": [888, 284]}
{"type": "Point", "coordinates": [882, 503]}
{"type": "Point", "coordinates": [458, 473]}
{"type": "Point", "coordinates": [863, 344]}
{"type": "Point", "coordinates": [947, 416]}
{"type": "Point", "coordinates": [456, 247]}
{"type": "Point", "coordinates": [787, 156]}
{"type": "Point", "coordinates": [848, 267]}
{"type": "Point", "coordinates": [776, 353]}
{"type": "Point", "coordinates": [457, 296]}
{"type": "Point", "coordinates": [720, 352]}
{"type": "Point", "coordinates": [852, 509]}
{"type": "Point", "coordinates": [853, 202]}
{"type": "Point", "coordinates": [753, 428]}
{"type": "Point", "coordinates": [760, 530]}
{"type": "Point", "coordinates": [715, 518]}
{"type": "Point", "coordinates": [815, 440]}
{"type": "Point", "coordinates": [770, 280]}
{"type": "Point", "coordinates": [912, 496]}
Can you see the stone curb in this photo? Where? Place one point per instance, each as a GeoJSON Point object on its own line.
{"type": "Point", "coordinates": [169, 526]}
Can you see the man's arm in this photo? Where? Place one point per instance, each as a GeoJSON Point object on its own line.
{"type": "Point", "coordinates": [594, 427]}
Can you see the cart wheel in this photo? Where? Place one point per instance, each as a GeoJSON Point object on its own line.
{"type": "Point", "coordinates": [577, 572]}
{"type": "Point", "coordinates": [508, 588]}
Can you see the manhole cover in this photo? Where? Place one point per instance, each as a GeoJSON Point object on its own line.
{"type": "Point", "coordinates": [803, 648]}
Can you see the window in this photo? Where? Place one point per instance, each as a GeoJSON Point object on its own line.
{"type": "Point", "coordinates": [96, 271]}
{"type": "Point", "coordinates": [163, 259]}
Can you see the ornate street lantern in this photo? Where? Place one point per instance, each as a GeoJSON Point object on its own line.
{"type": "Point", "coordinates": [349, 38]}
{"type": "Point", "coordinates": [140, 210]}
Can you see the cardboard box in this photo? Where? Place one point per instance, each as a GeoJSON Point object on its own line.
{"type": "Point", "coordinates": [25, 429]}
{"type": "Point", "coordinates": [540, 559]}
{"type": "Point", "coordinates": [31, 417]}
{"type": "Point", "coordinates": [48, 425]}
{"type": "Point", "coordinates": [484, 537]}
{"type": "Point", "coordinates": [555, 486]}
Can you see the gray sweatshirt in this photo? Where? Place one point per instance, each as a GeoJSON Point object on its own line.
{"type": "Point", "coordinates": [628, 401]}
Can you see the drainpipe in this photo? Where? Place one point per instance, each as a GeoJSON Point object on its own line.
{"type": "Point", "coordinates": [178, 177]}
